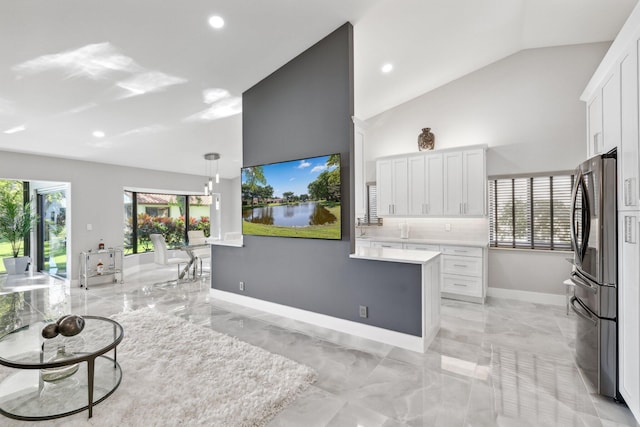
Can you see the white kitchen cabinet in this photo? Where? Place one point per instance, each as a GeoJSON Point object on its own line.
{"type": "Point", "coordinates": [465, 183]}
{"type": "Point", "coordinates": [425, 185]}
{"type": "Point", "coordinates": [611, 112]}
{"type": "Point", "coordinates": [628, 303]}
{"type": "Point", "coordinates": [453, 183]}
{"type": "Point", "coordinates": [616, 80]}
{"type": "Point", "coordinates": [594, 126]}
{"type": "Point", "coordinates": [421, 247]}
{"type": "Point", "coordinates": [392, 186]}
{"type": "Point", "coordinates": [464, 272]}
{"type": "Point", "coordinates": [394, 245]}
{"type": "Point", "coordinates": [474, 182]}
{"type": "Point", "coordinates": [463, 269]}
{"type": "Point", "coordinates": [628, 155]}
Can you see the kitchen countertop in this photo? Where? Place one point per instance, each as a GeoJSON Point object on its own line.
{"type": "Point", "coordinates": [406, 256]}
{"type": "Point", "coordinates": [236, 243]}
{"type": "Point", "coordinates": [479, 244]}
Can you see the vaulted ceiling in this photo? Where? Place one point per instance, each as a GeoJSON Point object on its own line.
{"type": "Point", "coordinates": [164, 87]}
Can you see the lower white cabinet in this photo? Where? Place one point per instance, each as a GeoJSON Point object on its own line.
{"type": "Point", "coordinates": [628, 313]}
{"type": "Point", "coordinates": [463, 269]}
{"type": "Point", "coordinates": [464, 272]}
{"type": "Point", "coordinates": [386, 245]}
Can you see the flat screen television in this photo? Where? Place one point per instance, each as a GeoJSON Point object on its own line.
{"type": "Point", "coordinates": [297, 198]}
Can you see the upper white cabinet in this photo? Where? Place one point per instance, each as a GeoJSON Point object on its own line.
{"type": "Point", "coordinates": [594, 120]}
{"type": "Point", "coordinates": [446, 183]}
{"type": "Point", "coordinates": [392, 185]}
{"type": "Point", "coordinates": [611, 112]}
{"type": "Point", "coordinates": [465, 182]}
{"type": "Point", "coordinates": [628, 160]}
{"type": "Point", "coordinates": [425, 185]}
{"type": "Point", "coordinates": [603, 116]}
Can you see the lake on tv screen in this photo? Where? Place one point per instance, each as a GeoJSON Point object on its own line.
{"type": "Point", "coordinates": [298, 198]}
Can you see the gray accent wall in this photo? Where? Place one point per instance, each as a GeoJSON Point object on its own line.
{"type": "Point", "coordinates": [302, 110]}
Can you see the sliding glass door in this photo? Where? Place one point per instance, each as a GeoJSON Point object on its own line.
{"type": "Point", "coordinates": [52, 231]}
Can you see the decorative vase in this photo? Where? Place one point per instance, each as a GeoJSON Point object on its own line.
{"type": "Point", "coordinates": [426, 140]}
{"type": "Point", "coordinates": [56, 374]}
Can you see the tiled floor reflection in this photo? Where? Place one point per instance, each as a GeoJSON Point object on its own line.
{"type": "Point", "coordinates": [505, 363]}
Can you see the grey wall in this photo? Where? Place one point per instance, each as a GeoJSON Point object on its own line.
{"type": "Point", "coordinates": [526, 108]}
{"type": "Point", "coordinates": [303, 110]}
{"type": "Point", "coordinates": [96, 193]}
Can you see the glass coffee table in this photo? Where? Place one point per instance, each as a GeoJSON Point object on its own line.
{"type": "Point", "coordinates": [56, 377]}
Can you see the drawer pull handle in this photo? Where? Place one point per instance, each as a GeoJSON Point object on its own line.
{"type": "Point", "coordinates": [460, 265]}
{"type": "Point", "coordinates": [460, 251]}
{"type": "Point", "coordinates": [459, 284]}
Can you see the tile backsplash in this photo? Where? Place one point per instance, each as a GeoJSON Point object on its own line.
{"type": "Point", "coordinates": [471, 229]}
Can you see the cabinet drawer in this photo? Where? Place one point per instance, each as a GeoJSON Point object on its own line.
{"type": "Point", "coordinates": [454, 284]}
{"type": "Point", "coordinates": [461, 250]}
{"type": "Point", "coordinates": [362, 243]}
{"type": "Point", "coordinates": [386, 245]}
{"type": "Point", "coordinates": [422, 247]}
{"type": "Point", "coordinates": [464, 265]}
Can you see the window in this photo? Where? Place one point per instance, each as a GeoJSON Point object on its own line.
{"type": "Point", "coordinates": [530, 212]}
{"type": "Point", "coordinates": [162, 214]}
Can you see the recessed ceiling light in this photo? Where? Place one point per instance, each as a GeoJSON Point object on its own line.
{"type": "Point", "coordinates": [98, 134]}
{"type": "Point", "coordinates": [387, 68]}
{"type": "Point", "coordinates": [216, 22]}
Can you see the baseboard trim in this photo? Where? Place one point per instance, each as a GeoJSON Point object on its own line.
{"type": "Point", "coordinates": [373, 333]}
{"type": "Point", "coordinates": [528, 296]}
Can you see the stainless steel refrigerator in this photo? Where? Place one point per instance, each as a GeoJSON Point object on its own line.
{"type": "Point", "coordinates": [593, 233]}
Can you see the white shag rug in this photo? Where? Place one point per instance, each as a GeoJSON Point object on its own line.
{"type": "Point", "coordinates": [177, 373]}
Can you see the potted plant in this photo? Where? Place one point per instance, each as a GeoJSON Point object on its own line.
{"type": "Point", "coordinates": [16, 223]}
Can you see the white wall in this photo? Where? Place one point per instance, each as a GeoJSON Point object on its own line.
{"type": "Point", "coordinates": [231, 206]}
{"type": "Point", "coordinates": [96, 193]}
{"type": "Point", "coordinates": [526, 108]}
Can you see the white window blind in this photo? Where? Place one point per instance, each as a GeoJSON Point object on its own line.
{"type": "Point", "coordinates": [530, 212]}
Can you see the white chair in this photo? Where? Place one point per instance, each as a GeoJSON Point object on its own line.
{"type": "Point", "coordinates": [161, 254]}
{"type": "Point", "coordinates": [197, 237]}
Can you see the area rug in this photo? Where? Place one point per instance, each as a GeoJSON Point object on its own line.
{"type": "Point", "coordinates": [177, 373]}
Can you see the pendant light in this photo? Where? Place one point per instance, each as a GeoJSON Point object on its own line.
{"type": "Point", "coordinates": [209, 185]}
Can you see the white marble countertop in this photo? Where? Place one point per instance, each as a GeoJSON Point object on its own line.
{"type": "Point", "coordinates": [473, 243]}
{"type": "Point", "coordinates": [236, 243]}
{"type": "Point", "coordinates": [406, 256]}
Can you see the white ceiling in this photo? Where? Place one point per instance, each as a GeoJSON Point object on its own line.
{"type": "Point", "coordinates": [166, 88]}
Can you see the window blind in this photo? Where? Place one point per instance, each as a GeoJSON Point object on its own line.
{"type": "Point", "coordinates": [530, 212]}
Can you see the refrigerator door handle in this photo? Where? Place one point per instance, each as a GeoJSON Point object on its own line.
{"type": "Point", "coordinates": [572, 223]}
{"type": "Point", "coordinates": [582, 312]}
{"type": "Point", "coordinates": [580, 282]}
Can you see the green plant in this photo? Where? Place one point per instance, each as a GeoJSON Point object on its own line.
{"type": "Point", "coordinates": [16, 218]}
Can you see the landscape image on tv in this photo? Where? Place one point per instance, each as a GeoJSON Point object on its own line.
{"type": "Point", "coordinates": [298, 198]}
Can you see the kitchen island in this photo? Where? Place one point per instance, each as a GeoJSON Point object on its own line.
{"type": "Point", "coordinates": [430, 287]}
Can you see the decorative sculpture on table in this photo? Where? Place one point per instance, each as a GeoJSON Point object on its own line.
{"type": "Point", "coordinates": [68, 326]}
{"type": "Point", "coordinates": [426, 140]}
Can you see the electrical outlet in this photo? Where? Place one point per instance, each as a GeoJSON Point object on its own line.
{"type": "Point", "coordinates": [242, 286]}
{"type": "Point", "coordinates": [364, 311]}
{"type": "Point", "coordinates": [447, 227]}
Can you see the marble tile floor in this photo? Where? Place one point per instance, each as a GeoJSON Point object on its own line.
{"type": "Point", "coordinates": [506, 363]}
